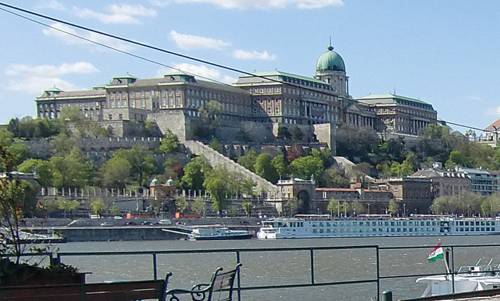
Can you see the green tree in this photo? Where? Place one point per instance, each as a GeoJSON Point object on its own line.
{"type": "Point", "coordinates": [358, 208]}
{"type": "Point", "coordinates": [194, 173]}
{"type": "Point", "coordinates": [20, 152]}
{"type": "Point", "coordinates": [297, 134]}
{"type": "Point", "coordinates": [334, 178]}
{"type": "Point", "coordinates": [16, 198]}
{"type": "Point", "coordinates": [170, 143]}
{"type": "Point", "coordinates": [457, 158]}
{"type": "Point", "coordinates": [142, 162]}
{"type": "Point", "coordinates": [71, 170]}
{"type": "Point", "coordinates": [115, 210]}
{"type": "Point", "coordinates": [115, 172]}
{"type": "Point", "coordinates": [283, 132]}
{"type": "Point", "coordinates": [68, 206]}
{"type": "Point", "coordinates": [247, 206]}
{"type": "Point", "coordinates": [264, 168]}
{"type": "Point", "coordinates": [345, 209]}
{"type": "Point", "coordinates": [291, 206]}
{"type": "Point", "coordinates": [333, 207]}
{"type": "Point", "coordinates": [6, 138]}
{"type": "Point", "coordinates": [280, 165]}
{"type": "Point", "coordinates": [490, 206]}
{"type": "Point", "coordinates": [393, 208]}
{"type": "Point", "coordinates": [42, 169]}
{"type": "Point", "coordinates": [216, 183]}
{"type": "Point", "coordinates": [216, 145]}
{"type": "Point", "coordinates": [199, 206]}
{"type": "Point", "coordinates": [358, 145]}
{"type": "Point", "coordinates": [307, 167]}
{"type": "Point", "coordinates": [248, 160]}
{"type": "Point", "coordinates": [97, 206]}
{"type": "Point", "coordinates": [443, 205]}
{"type": "Point", "coordinates": [62, 144]}
{"type": "Point", "coordinates": [181, 204]}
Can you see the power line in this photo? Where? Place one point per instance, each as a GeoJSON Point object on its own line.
{"type": "Point", "coordinates": [203, 61]}
{"type": "Point", "coordinates": [111, 47]}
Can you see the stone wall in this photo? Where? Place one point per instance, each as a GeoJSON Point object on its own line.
{"type": "Point", "coordinates": [326, 133]}
{"type": "Point", "coordinates": [173, 120]}
{"type": "Point", "coordinates": [217, 159]}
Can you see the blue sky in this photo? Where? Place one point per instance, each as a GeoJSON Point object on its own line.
{"type": "Point", "coordinates": [444, 52]}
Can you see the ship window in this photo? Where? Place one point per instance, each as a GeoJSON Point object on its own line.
{"type": "Point", "coordinates": [392, 229]}
{"type": "Point", "coordinates": [328, 224]}
{"type": "Point", "coordinates": [328, 230]}
{"type": "Point", "coordinates": [477, 228]}
{"type": "Point", "coordinates": [315, 231]}
{"type": "Point", "coordinates": [320, 230]}
{"type": "Point", "coordinates": [410, 230]}
{"type": "Point", "coordinates": [493, 229]}
{"type": "Point", "coordinates": [482, 228]}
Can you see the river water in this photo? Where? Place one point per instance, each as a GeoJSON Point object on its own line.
{"type": "Point", "coordinates": [284, 267]}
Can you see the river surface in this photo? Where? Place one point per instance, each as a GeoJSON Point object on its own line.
{"type": "Point", "coordinates": [284, 267]}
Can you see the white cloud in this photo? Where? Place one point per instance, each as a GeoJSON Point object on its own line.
{"type": "Point", "coordinates": [51, 4]}
{"type": "Point", "coordinates": [253, 55]}
{"type": "Point", "coordinates": [35, 79]}
{"type": "Point", "coordinates": [202, 71]}
{"type": "Point", "coordinates": [57, 32]}
{"type": "Point", "coordinates": [262, 4]}
{"type": "Point", "coordinates": [188, 41]}
{"type": "Point", "coordinates": [312, 4]}
{"type": "Point", "coordinates": [117, 13]}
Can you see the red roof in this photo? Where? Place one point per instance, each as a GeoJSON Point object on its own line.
{"type": "Point", "coordinates": [494, 125]}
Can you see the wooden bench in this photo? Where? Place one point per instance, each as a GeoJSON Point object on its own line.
{"type": "Point", "coordinates": [220, 287]}
{"type": "Point", "coordinates": [114, 291]}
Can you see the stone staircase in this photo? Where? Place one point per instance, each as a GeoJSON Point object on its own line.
{"type": "Point", "coordinates": [218, 160]}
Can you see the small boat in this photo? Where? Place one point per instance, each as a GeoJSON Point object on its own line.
{"type": "Point", "coordinates": [26, 237]}
{"type": "Point", "coordinates": [217, 232]}
{"type": "Point", "coordinates": [468, 279]}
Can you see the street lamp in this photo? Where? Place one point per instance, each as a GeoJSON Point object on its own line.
{"type": "Point", "coordinates": [404, 209]}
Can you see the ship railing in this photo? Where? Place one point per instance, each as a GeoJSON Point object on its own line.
{"type": "Point", "coordinates": [381, 273]}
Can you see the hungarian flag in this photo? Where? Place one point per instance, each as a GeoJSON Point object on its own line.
{"type": "Point", "coordinates": [436, 254]}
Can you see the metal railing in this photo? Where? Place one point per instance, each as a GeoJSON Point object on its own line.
{"type": "Point", "coordinates": [312, 251]}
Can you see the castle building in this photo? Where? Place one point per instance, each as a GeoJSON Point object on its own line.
{"type": "Point", "coordinates": [399, 114]}
{"type": "Point", "coordinates": [254, 104]}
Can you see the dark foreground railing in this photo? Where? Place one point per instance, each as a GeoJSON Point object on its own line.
{"type": "Point", "coordinates": [312, 282]}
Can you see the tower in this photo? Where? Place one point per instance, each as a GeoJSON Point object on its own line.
{"type": "Point", "coordinates": [330, 69]}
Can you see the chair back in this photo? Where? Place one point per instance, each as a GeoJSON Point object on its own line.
{"type": "Point", "coordinates": [222, 284]}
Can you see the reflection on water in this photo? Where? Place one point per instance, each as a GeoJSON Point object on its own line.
{"type": "Point", "coordinates": [283, 267]}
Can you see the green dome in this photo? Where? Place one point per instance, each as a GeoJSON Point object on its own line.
{"type": "Point", "coordinates": [330, 61]}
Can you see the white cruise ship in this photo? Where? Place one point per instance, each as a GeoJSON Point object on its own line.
{"type": "Point", "coordinates": [317, 226]}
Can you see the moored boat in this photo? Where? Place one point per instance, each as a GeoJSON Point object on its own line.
{"type": "Point", "coordinates": [467, 279]}
{"type": "Point", "coordinates": [217, 232]}
{"type": "Point", "coordinates": [318, 226]}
